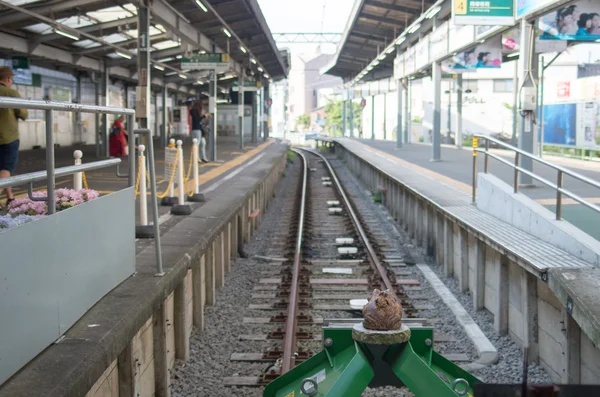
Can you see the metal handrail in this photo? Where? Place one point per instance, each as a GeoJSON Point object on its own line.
{"type": "Point", "coordinates": [49, 107]}
{"type": "Point", "coordinates": [561, 172]}
{"type": "Point", "coordinates": [20, 103]}
{"type": "Point", "coordinates": [33, 177]}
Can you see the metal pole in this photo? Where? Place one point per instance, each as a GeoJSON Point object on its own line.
{"type": "Point", "coordinates": [131, 157]}
{"type": "Point", "coordinates": [51, 182]}
{"type": "Point", "coordinates": [267, 112]}
{"type": "Point", "coordinates": [541, 120]}
{"type": "Point", "coordinates": [152, 171]}
{"type": "Point", "coordinates": [407, 112]}
{"type": "Point", "coordinates": [77, 120]}
{"type": "Point", "coordinates": [255, 118]}
{"type": "Point", "coordinates": [241, 110]}
{"type": "Point", "coordinates": [399, 115]}
{"type": "Point", "coordinates": [474, 182]}
{"type": "Point", "coordinates": [105, 127]}
{"type": "Point", "coordinates": [351, 103]}
{"type": "Point", "coordinates": [373, 117]}
{"type": "Point", "coordinates": [459, 103]}
{"type": "Point", "coordinates": [97, 119]}
{"type": "Point", "coordinates": [344, 103]}
{"type": "Point", "coordinates": [528, 71]}
{"type": "Point", "coordinates": [516, 178]}
{"type": "Point", "coordinates": [559, 185]}
{"type": "Point", "coordinates": [486, 158]}
{"type": "Point", "coordinates": [449, 121]}
{"type": "Point", "coordinates": [213, 108]}
{"type": "Point", "coordinates": [513, 139]}
{"type": "Point", "coordinates": [384, 116]}
{"type": "Point", "coordinates": [437, 117]}
{"type": "Point", "coordinates": [163, 133]}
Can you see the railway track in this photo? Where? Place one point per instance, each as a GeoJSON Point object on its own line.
{"type": "Point", "coordinates": [333, 256]}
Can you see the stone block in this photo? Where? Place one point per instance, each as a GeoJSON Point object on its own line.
{"type": "Point", "coordinates": [108, 384]}
{"type": "Point", "coordinates": [590, 361]}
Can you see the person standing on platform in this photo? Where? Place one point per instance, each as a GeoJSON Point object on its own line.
{"type": "Point", "coordinates": [199, 131]}
{"type": "Point", "coordinates": [118, 139]}
{"type": "Point", "coordinates": [9, 129]}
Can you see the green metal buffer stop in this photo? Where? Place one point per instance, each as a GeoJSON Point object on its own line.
{"type": "Point", "coordinates": [353, 359]}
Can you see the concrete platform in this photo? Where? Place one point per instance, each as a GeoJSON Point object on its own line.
{"type": "Point", "coordinates": [130, 338]}
{"type": "Point", "coordinates": [456, 167]}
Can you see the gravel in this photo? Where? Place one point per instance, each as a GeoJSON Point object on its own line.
{"type": "Point", "coordinates": [211, 349]}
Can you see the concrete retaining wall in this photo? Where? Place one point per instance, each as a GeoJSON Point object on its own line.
{"type": "Point", "coordinates": [498, 199]}
{"type": "Point", "coordinates": [523, 305]}
{"type": "Point", "coordinates": [136, 360]}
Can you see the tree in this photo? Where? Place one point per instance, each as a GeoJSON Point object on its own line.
{"type": "Point", "coordinates": [334, 117]}
{"type": "Point", "coordinates": [303, 120]}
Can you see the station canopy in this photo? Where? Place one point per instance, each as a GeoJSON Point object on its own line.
{"type": "Point", "coordinates": [373, 25]}
{"type": "Point", "coordinates": [178, 28]}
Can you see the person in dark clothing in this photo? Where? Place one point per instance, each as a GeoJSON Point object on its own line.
{"type": "Point", "coordinates": [199, 128]}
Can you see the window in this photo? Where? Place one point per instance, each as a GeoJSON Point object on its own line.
{"type": "Point", "coordinates": [504, 85]}
{"type": "Point", "coordinates": [469, 86]}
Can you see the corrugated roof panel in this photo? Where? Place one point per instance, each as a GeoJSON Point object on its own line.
{"type": "Point", "coordinates": [21, 2]}
{"type": "Point", "coordinates": [86, 43]}
{"type": "Point", "coordinates": [113, 13]}
{"type": "Point", "coordinates": [163, 45]}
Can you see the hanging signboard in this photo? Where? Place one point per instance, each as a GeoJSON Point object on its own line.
{"type": "Point", "coordinates": [249, 86]}
{"type": "Point", "coordinates": [209, 61]}
{"type": "Point", "coordinates": [20, 66]}
{"type": "Point", "coordinates": [579, 21]}
{"type": "Point", "coordinates": [460, 36]}
{"type": "Point", "coordinates": [409, 61]}
{"type": "Point", "coordinates": [399, 67]}
{"type": "Point", "coordinates": [488, 12]}
{"type": "Point", "coordinates": [526, 7]}
{"type": "Point", "coordinates": [422, 53]}
{"type": "Point", "coordinates": [486, 55]}
{"type": "Point", "coordinates": [438, 40]}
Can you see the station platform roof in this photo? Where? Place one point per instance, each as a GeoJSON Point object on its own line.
{"type": "Point", "coordinates": [83, 34]}
{"type": "Point", "coordinates": [373, 25]}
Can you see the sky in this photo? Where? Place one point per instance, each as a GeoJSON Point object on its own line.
{"type": "Point", "coordinates": [284, 16]}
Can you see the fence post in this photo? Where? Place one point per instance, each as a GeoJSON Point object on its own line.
{"type": "Point", "coordinates": [180, 208]}
{"type": "Point", "coordinates": [143, 230]}
{"type": "Point", "coordinates": [196, 196]}
{"type": "Point", "coordinates": [78, 176]}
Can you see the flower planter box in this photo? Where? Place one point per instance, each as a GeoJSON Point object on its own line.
{"type": "Point", "coordinates": [53, 270]}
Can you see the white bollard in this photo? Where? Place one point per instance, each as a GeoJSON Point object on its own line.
{"type": "Point", "coordinates": [78, 176]}
{"type": "Point", "coordinates": [172, 188]}
{"type": "Point", "coordinates": [195, 165]}
{"type": "Point", "coordinates": [143, 187]}
{"type": "Point", "coordinates": [179, 172]}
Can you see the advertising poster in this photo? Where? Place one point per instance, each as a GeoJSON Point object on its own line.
{"type": "Point", "coordinates": [526, 7]}
{"type": "Point", "coordinates": [460, 36]}
{"type": "Point", "coordinates": [487, 12]}
{"type": "Point", "coordinates": [559, 124]}
{"type": "Point", "coordinates": [23, 75]}
{"type": "Point", "coordinates": [409, 61]}
{"type": "Point", "coordinates": [399, 67]}
{"type": "Point", "coordinates": [578, 21]}
{"type": "Point", "coordinates": [422, 53]}
{"type": "Point", "coordinates": [588, 134]}
{"type": "Point", "coordinates": [438, 41]}
{"type": "Point", "coordinates": [511, 40]}
{"type": "Point", "coordinates": [483, 56]}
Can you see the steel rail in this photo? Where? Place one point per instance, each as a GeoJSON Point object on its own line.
{"type": "Point", "coordinates": [289, 341]}
{"type": "Point", "coordinates": [372, 255]}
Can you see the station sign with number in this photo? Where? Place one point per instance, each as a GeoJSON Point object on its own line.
{"type": "Point", "coordinates": [483, 12]}
{"type": "Point", "coordinates": [249, 86]}
{"type": "Point", "coordinates": [209, 61]}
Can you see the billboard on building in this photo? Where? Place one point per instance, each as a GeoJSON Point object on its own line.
{"type": "Point", "coordinates": [588, 128]}
{"type": "Point", "coordinates": [579, 21]}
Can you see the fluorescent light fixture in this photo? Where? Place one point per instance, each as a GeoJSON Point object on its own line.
{"type": "Point", "coordinates": [183, 76]}
{"type": "Point", "coordinates": [66, 34]}
{"type": "Point", "coordinates": [266, 75]}
{"type": "Point", "coordinates": [199, 81]}
{"type": "Point", "coordinates": [179, 56]}
{"type": "Point", "coordinates": [122, 55]}
{"type": "Point", "coordinates": [226, 32]}
{"type": "Point", "coordinates": [260, 69]}
{"type": "Point", "coordinates": [375, 63]}
{"type": "Point", "coordinates": [414, 28]}
{"type": "Point", "coordinates": [513, 54]}
{"type": "Point", "coordinates": [400, 40]}
{"type": "Point", "coordinates": [433, 12]}
{"type": "Point", "coordinates": [165, 60]}
{"type": "Point", "coordinates": [170, 73]}
{"type": "Point", "coordinates": [158, 67]}
{"type": "Point", "coordinates": [481, 41]}
{"type": "Point", "coordinates": [243, 49]}
{"type": "Point", "coordinates": [383, 56]}
{"type": "Point", "coordinates": [370, 68]}
{"type": "Point", "coordinates": [390, 50]}
{"type": "Point", "coordinates": [253, 61]}
{"type": "Point", "coordinates": [202, 52]}
{"type": "Point", "coordinates": [201, 5]}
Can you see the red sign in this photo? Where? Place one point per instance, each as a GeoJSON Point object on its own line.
{"type": "Point", "coordinates": [563, 89]}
